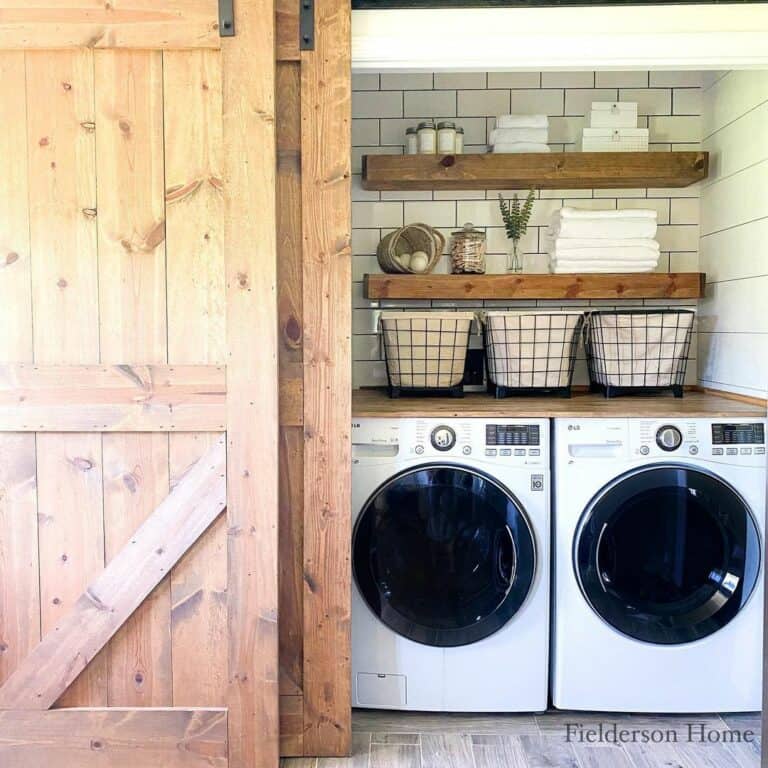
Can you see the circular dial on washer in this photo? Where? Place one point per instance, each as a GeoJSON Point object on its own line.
{"type": "Point", "coordinates": [669, 438]}
{"type": "Point", "coordinates": [443, 438]}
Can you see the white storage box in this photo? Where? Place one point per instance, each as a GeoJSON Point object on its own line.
{"type": "Point", "coordinates": [531, 350]}
{"type": "Point", "coordinates": [425, 350]}
{"type": "Point", "coordinates": [638, 349]}
{"type": "Point", "coordinates": [614, 140]}
{"type": "Point", "coordinates": [616, 114]}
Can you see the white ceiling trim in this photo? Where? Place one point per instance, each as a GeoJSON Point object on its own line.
{"type": "Point", "coordinates": [508, 39]}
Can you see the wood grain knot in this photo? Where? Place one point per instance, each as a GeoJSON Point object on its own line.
{"type": "Point", "coordinates": [84, 465]}
{"type": "Point", "coordinates": [44, 142]}
{"type": "Point", "coordinates": [11, 258]}
{"type": "Point", "coordinates": [293, 331]}
{"type": "Point", "coordinates": [448, 161]}
{"type": "Point", "coordinates": [124, 126]}
{"type": "Point", "coordinates": [95, 744]}
{"type": "Point", "coordinates": [62, 283]}
{"type": "Point", "coordinates": [66, 86]}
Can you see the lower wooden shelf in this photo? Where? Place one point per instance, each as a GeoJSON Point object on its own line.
{"type": "Point", "coordinates": [646, 285]}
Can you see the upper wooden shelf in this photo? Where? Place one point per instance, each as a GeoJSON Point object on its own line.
{"type": "Point", "coordinates": [645, 285]}
{"type": "Point", "coordinates": [555, 170]}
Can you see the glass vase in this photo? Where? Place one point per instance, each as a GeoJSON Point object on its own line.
{"type": "Point", "coordinates": [515, 258]}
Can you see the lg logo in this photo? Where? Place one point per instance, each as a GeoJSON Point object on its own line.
{"type": "Point", "coordinates": [574, 427]}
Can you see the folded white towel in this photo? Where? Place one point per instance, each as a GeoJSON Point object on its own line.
{"type": "Point", "coordinates": [522, 121]}
{"type": "Point", "coordinates": [623, 255]}
{"type": "Point", "coordinates": [557, 243]}
{"type": "Point", "coordinates": [575, 265]}
{"type": "Point", "coordinates": [507, 135]}
{"type": "Point", "coordinates": [603, 229]}
{"type": "Point", "coordinates": [623, 213]}
{"type": "Point", "coordinates": [520, 146]}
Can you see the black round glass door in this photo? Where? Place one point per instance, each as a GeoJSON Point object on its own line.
{"type": "Point", "coordinates": [443, 555]}
{"type": "Point", "coordinates": [667, 554]}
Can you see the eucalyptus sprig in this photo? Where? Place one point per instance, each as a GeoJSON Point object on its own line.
{"type": "Point", "coordinates": [516, 216]}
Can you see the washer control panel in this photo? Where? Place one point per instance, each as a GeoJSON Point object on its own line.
{"type": "Point", "coordinates": [669, 438]}
{"type": "Point", "coordinates": [443, 438]}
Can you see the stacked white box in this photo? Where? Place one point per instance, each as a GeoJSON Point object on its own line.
{"type": "Point", "coordinates": [613, 128]}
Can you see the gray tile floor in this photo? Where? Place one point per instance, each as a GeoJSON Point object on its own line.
{"type": "Point", "coordinates": [416, 740]}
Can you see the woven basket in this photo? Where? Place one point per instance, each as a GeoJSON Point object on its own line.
{"type": "Point", "coordinates": [409, 239]}
{"type": "Point", "coordinates": [468, 251]}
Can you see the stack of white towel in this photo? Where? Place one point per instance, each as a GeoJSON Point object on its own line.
{"type": "Point", "coordinates": [520, 133]}
{"type": "Point", "coordinates": [603, 241]}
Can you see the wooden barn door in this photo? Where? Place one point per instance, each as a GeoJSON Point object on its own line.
{"type": "Point", "coordinates": [138, 307]}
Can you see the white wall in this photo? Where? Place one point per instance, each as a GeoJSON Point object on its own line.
{"type": "Point", "coordinates": [733, 319]}
{"type": "Point", "coordinates": [384, 104]}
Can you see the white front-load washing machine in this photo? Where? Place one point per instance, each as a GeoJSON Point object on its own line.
{"type": "Point", "coordinates": [450, 600]}
{"type": "Point", "coordinates": [658, 594]}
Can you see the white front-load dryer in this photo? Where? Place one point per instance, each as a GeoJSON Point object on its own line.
{"type": "Point", "coordinates": [658, 595]}
{"type": "Point", "coordinates": [450, 598]}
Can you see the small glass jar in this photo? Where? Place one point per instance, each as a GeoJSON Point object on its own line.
{"type": "Point", "coordinates": [446, 138]}
{"type": "Point", "coordinates": [458, 147]}
{"type": "Point", "coordinates": [427, 138]}
{"type": "Point", "coordinates": [411, 141]}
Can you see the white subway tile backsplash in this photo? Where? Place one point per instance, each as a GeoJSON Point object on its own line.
{"type": "Point", "coordinates": [459, 80]}
{"type": "Point", "coordinates": [410, 81]}
{"type": "Point", "coordinates": [683, 79]}
{"type": "Point", "coordinates": [650, 101]}
{"type": "Point", "coordinates": [365, 82]}
{"type": "Point", "coordinates": [549, 102]}
{"type": "Point", "coordinates": [685, 210]}
{"type": "Point", "coordinates": [379, 214]}
{"type": "Point", "coordinates": [686, 101]}
{"type": "Point", "coordinates": [621, 79]}
{"type": "Point", "coordinates": [377, 104]}
{"type": "Point", "coordinates": [430, 103]}
{"type": "Point", "coordinates": [480, 97]}
{"type": "Point", "coordinates": [514, 79]}
{"type": "Point", "coordinates": [360, 194]}
{"type": "Point", "coordinates": [480, 103]}
{"type": "Point", "coordinates": [434, 213]}
{"type": "Point", "coordinates": [365, 132]}
{"type": "Point", "coordinates": [681, 128]}
{"type": "Point", "coordinates": [567, 79]}
{"type": "Point", "coordinates": [578, 101]}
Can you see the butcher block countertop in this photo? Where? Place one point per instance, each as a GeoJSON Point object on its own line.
{"type": "Point", "coordinates": [375, 402]}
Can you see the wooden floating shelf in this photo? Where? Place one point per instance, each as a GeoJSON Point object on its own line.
{"type": "Point", "coordinates": [646, 285]}
{"type": "Point", "coordinates": [549, 170]}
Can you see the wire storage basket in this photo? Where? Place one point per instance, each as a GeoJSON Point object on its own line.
{"type": "Point", "coordinates": [638, 351]}
{"type": "Point", "coordinates": [426, 352]}
{"type": "Point", "coordinates": [531, 352]}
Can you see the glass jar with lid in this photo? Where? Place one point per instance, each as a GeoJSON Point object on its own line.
{"type": "Point", "coordinates": [446, 137]}
{"type": "Point", "coordinates": [458, 148]}
{"type": "Point", "coordinates": [411, 141]}
{"type": "Point", "coordinates": [427, 138]}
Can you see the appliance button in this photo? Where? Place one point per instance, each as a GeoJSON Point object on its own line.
{"type": "Point", "coordinates": [732, 451]}
{"type": "Point", "coordinates": [505, 452]}
{"type": "Point", "coordinates": [519, 451]}
{"type": "Point", "coordinates": [466, 450]}
{"type": "Point", "coordinates": [490, 451]}
{"type": "Point", "coordinates": [645, 450]}
{"type": "Point", "coordinates": [760, 450]}
{"type": "Point", "coordinates": [717, 451]}
{"type": "Point", "coordinates": [693, 450]}
{"type": "Point", "coordinates": [534, 452]}
{"type": "Point", "coordinates": [537, 482]}
{"type": "Point", "coordinates": [419, 449]}
{"type": "Point", "coordinates": [746, 451]}
{"type": "Point", "coordinates": [669, 438]}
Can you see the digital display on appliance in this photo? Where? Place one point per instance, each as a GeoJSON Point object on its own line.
{"type": "Point", "coordinates": [512, 434]}
{"type": "Point", "coordinates": [737, 434]}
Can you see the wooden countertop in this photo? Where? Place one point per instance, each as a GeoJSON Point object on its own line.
{"type": "Point", "coordinates": [374, 402]}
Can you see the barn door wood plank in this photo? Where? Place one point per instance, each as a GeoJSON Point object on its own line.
{"type": "Point", "coordinates": [252, 384]}
{"type": "Point", "coordinates": [118, 738]}
{"type": "Point", "coordinates": [62, 208]}
{"type": "Point", "coordinates": [132, 326]}
{"type": "Point", "coordinates": [147, 24]}
{"type": "Point", "coordinates": [19, 581]}
{"type": "Point", "coordinates": [326, 221]}
{"type": "Point", "coordinates": [139, 655]}
{"type": "Point", "coordinates": [196, 334]}
{"type": "Point", "coordinates": [121, 587]}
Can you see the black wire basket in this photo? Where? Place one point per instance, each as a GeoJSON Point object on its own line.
{"type": "Point", "coordinates": [426, 352]}
{"type": "Point", "coordinates": [638, 351]}
{"type": "Point", "coordinates": [531, 352]}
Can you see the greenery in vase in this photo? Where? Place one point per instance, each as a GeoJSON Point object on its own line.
{"type": "Point", "coordinates": [516, 216]}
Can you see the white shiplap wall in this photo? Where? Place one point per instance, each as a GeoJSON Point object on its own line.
{"type": "Point", "coordinates": [384, 104]}
{"type": "Point", "coordinates": [733, 338]}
